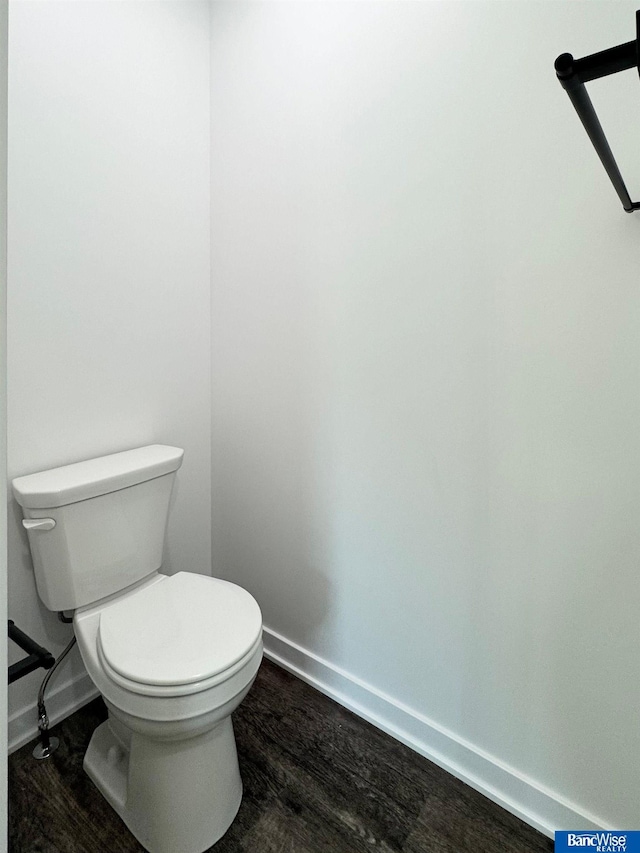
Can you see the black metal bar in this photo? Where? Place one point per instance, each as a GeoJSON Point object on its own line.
{"type": "Point", "coordinates": [638, 40]}
{"type": "Point", "coordinates": [24, 667]}
{"type": "Point", "coordinates": [573, 74]}
{"type": "Point", "coordinates": [610, 61]}
{"type": "Point", "coordinates": [37, 657]}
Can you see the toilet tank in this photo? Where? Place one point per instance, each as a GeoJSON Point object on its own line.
{"type": "Point", "coordinates": [96, 527]}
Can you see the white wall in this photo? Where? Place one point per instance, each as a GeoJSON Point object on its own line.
{"type": "Point", "coordinates": [108, 303]}
{"type": "Point", "coordinates": [426, 369]}
{"type": "Point", "coordinates": [4, 8]}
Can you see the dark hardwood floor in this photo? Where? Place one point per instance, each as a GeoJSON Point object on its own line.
{"type": "Point", "coordinates": [317, 779]}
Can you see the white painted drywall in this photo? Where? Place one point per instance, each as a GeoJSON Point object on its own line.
{"type": "Point", "coordinates": [108, 297]}
{"type": "Point", "coordinates": [426, 368]}
{"type": "Point", "coordinates": [4, 8]}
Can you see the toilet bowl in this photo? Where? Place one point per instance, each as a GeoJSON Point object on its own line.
{"type": "Point", "coordinates": [172, 656]}
{"type": "Point", "coordinates": [148, 651]}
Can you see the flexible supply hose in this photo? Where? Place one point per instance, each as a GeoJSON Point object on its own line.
{"type": "Point", "coordinates": [46, 748]}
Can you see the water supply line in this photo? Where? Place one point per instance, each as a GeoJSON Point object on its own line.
{"type": "Point", "coordinates": [48, 744]}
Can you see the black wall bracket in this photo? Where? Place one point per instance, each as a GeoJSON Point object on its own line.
{"type": "Point", "coordinates": [37, 655]}
{"type": "Point", "coordinates": [574, 73]}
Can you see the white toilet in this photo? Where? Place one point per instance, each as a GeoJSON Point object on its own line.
{"type": "Point", "coordinates": [173, 657]}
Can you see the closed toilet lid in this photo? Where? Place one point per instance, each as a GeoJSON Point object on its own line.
{"type": "Point", "coordinates": [187, 628]}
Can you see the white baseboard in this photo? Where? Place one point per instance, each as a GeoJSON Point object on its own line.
{"type": "Point", "coordinates": [61, 701]}
{"type": "Point", "coordinates": [538, 806]}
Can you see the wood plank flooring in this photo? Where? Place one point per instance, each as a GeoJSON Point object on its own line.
{"type": "Point", "coordinates": [317, 779]}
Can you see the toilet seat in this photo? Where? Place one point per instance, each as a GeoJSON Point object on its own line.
{"type": "Point", "coordinates": [179, 636]}
{"type": "Point", "coordinates": [184, 691]}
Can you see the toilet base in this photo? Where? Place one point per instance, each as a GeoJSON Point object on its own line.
{"type": "Point", "coordinates": [176, 795]}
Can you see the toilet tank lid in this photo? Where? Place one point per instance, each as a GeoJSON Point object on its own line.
{"type": "Point", "coordinates": [83, 480]}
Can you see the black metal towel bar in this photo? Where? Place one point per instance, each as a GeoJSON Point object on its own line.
{"type": "Point", "coordinates": [574, 73]}
{"type": "Point", "coordinates": [37, 655]}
